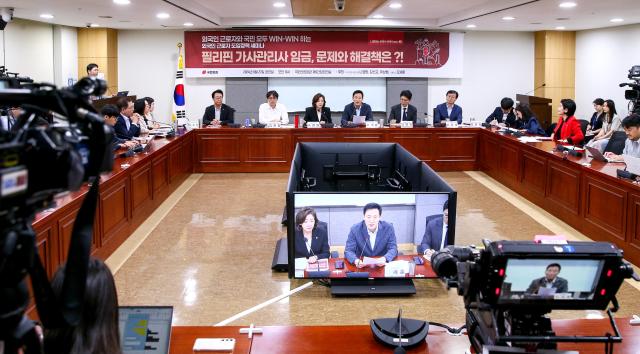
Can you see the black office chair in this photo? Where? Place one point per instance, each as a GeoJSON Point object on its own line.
{"type": "Point", "coordinates": [616, 143]}
{"type": "Point", "coordinates": [583, 126]}
{"type": "Point", "coordinates": [551, 128]}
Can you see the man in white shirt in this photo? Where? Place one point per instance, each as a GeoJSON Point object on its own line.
{"type": "Point", "coordinates": [272, 111]}
{"type": "Point", "coordinates": [631, 126]}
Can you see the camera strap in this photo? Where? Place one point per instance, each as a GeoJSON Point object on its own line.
{"type": "Point", "coordinates": [67, 310]}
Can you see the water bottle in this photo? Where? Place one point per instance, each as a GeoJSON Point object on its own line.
{"type": "Point", "coordinates": [247, 122]}
{"type": "Point", "coordinates": [296, 120]}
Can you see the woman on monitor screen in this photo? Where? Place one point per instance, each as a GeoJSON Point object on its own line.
{"type": "Point", "coordinates": [311, 241]}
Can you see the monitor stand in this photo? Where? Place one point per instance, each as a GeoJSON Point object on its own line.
{"type": "Point", "coordinates": [372, 287]}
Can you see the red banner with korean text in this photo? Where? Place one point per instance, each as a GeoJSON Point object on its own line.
{"type": "Point", "coordinates": [323, 53]}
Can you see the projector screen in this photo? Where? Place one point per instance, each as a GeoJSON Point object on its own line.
{"type": "Point", "coordinates": [296, 93]}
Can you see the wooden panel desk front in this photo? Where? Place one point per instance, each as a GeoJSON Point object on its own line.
{"type": "Point", "coordinates": [421, 271]}
{"type": "Point", "coordinates": [359, 339]}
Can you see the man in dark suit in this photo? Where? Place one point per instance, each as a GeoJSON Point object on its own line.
{"type": "Point", "coordinates": [371, 238]}
{"type": "Point", "coordinates": [503, 114]}
{"type": "Point", "coordinates": [218, 112]}
{"type": "Point", "coordinates": [110, 114]}
{"type": "Point", "coordinates": [127, 125]}
{"type": "Point", "coordinates": [448, 110]}
{"type": "Point", "coordinates": [550, 280]}
{"type": "Point", "coordinates": [404, 111]}
{"type": "Point", "coordinates": [435, 233]}
{"type": "Point", "coordinates": [356, 108]}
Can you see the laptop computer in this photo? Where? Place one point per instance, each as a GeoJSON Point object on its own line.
{"type": "Point", "coordinates": [145, 329]}
{"type": "Point", "coordinates": [597, 155]}
{"type": "Point", "coordinates": [633, 164]}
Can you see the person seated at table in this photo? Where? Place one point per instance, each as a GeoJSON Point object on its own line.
{"type": "Point", "coordinates": [141, 109]}
{"type": "Point", "coordinates": [448, 110]}
{"type": "Point", "coordinates": [218, 113]}
{"type": "Point", "coordinates": [273, 111]}
{"type": "Point", "coordinates": [371, 238]}
{"type": "Point", "coordinates": [435, 233]}
{"type": "Point", "coordinates": [110, 114]}
{"type": "Point", "coordinates": [127, 127]}
{"type": "Point", "coordinates": [356, 108]}
{"type": "Point", "coordinates": [595, 123]}
{"type": "Point", "coordinates": [610, 123]}
{"type": "Point", "coordinates": [631, 126]}
{"type": "Point", "coordinates": [97, 331]}
{"type": "Point", "coordinates": [551, 280]}
{"type": "Point", "coordinates": [310, 242]}
{"type": "Point", "coordinates": [404, 111]}
{"type": "Point", "coordinates": [527, 121]}
{"type": "Point", "coordinates": [568, 129]}
{"type": "Point", "coordinates": [318, 112]}
{"type": "Point", "coordinates": [503, 114]}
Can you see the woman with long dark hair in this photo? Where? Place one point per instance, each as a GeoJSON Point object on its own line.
{"type": "Point", "coordinates": [529, 121]}
{"type": "Point", "coordinates": [610, 123]}
{"type": "Point", "coordinates": [97, 332]}
{"type": "Point", "coordinates": [311, 242]}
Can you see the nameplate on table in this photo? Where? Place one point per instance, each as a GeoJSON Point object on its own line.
{"type": "Point", "coordinates": [406, 124]}
{"type": "Point", "coordinates": [314, 125]}
{"type": "Point", "coordinates": [274, 125]}
{"type": "Point", "coordinates": [475, 124]}
{"type": "Point", "coordinates": [372, 124]}
{"type": "Point", "coordinates": [451, 124]}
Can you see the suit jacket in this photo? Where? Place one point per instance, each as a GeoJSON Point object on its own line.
{"type": "Point", "coordinates": [432, 238]}
{"type": "Point", "coordinates": [533, 127]}
{"type": "Point", "coordinates": [121, 129]}
{"type": "Point", "coordinates": [497, 115]}
{"type": "Point", "coordinates": [442, 114]}
{"type": "Point", "coordinates": [226, 114]}
{"type": "Point", "coordinates": [116, 142]}
{"type": "Point", "coordinates": [396, 113]}
{"type": "Point", "coordinates": [350, 111]}
{"type": "Point", "coordinates": [560, 284]}
{"type": "Point", "coordinates": [319, 244]}
{"type": "Point", "coordinates": [596, 120]}
{"type": "Point", "coordinates": [310, 115]}
{"type": "Point", "coordinates": [358, 242]}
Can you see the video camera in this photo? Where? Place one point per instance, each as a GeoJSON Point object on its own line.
{"type": "Point", "coordinates": [509, 286]}
{"type": "Point", "coordinates": [55, 144]}
{"type": "Point", "coordinates": [633, 95]}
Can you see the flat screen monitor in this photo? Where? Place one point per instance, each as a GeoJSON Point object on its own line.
{"type": "Point", "coordinates": [145, 329]}
{"type": "Point", "coordinates": [549, 280]}
{"type": "Point", "coordinates": [338, 242]}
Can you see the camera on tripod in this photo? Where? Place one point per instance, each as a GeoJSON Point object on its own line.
{"type": "Point", "coordinates": [509, 287]}
{"type": "Point", "coordinates": [633, 95]}
{"type": "Point", "coordinates": [55, 144]}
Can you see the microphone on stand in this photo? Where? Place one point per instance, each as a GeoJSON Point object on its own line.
{"type": "Point", "coordinates": [543, 85]}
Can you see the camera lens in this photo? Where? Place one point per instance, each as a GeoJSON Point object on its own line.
{"type": "Point", "coordinates": [444, 263]}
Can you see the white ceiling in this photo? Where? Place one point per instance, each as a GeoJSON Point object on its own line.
{"type": "Point", "coordinates": [531, 15]}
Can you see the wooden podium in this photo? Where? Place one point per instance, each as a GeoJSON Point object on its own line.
{"type": "Point", "coordinates": [540, 107]}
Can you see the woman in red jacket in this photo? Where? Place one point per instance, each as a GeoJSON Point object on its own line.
{"type": "Point", "coordinates": [568, 129]}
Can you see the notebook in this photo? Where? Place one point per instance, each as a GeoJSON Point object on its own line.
{"type": "Point", "coordinates": [145, 329]}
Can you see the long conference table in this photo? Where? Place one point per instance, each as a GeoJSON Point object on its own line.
{"type": "Point", "coordinates": [589, 197]}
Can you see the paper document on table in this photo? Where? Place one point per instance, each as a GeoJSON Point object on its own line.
{"type": "Point", "coordinates": [529, 139]}
{"type": "Point", "coordinates": [396, 269]}
{"type": "Point", "coordinates": [369, 261]}
{"type": "Point", "coordinates": [301, 263]}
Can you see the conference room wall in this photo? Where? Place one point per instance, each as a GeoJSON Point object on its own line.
{"type": "Point", "coordinates": [603, 59]}
{"type": "Point", "coordinates": [28, 49]}
{"type": "Point", "coordinates": [65, 54]}
{"type": "Point", "coordinates": [147, 62]}
{"type": "Point", "coordinates": [495, 65]}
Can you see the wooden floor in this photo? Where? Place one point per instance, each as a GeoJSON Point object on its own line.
{"type": "Point", "coordinates": [209, 255]}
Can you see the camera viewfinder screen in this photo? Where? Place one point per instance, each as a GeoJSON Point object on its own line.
{"type": "Point", "coordinates": [550, 279]}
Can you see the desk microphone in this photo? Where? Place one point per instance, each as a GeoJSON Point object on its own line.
{"type": "Point", "coordinates": [543, 85]}
{"type": "Point", "coordinates": [399, 349]}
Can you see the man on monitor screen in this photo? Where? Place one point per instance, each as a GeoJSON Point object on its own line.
{"type": "Point", "coordinates": [435, 233]}
{"type": "Point", "coordinates": [371, 238]}
{"type": "Point", "coordinates": [551, 280]}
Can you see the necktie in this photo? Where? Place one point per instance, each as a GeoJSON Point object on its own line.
{"type": "Point", "coordinates": [404, 114]}
{"type": "Point", "coordinates": [10, 122]}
